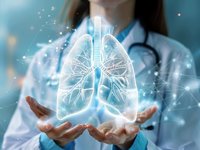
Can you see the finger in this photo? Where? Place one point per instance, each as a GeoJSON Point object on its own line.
{"type": "Point", "coordinates": [43, 110]}
{"type": "Point", "coordinates": [94, 132]}
{"type": "Point", "coordinates": [78, 134]}
{"type": "Point", "coordinates": [152, 109]}
{"type": "Point", "coordinates": [51, 131]}
{"type": "Point", "coordinates": [57, 132]}
{"type": "Point", "coordinates": [105, 127]}
{"type": "Point", "coordinates": [115, 139]}
{"type": "Point", "coordinates": [73, 132]}
{"type": "Point", "coordinates": [119, 131]}
{"type": "Point", "coordinates": [44, 127]}
{"type": "Point", "coordinates": [121, 135]}
{"type": "Point", "coordinates": [145, 115]}
{"type": "Point", "coordinates": [103, 130]}
{"type": "Point", "coordinates": [32, 106]}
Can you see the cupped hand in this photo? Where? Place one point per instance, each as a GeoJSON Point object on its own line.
{"type": "Point", "coordinates": [61, 134]}
{"type": "Point", "coordinates": [120, 135]}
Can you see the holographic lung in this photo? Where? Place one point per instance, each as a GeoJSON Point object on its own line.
{"type": "Point", "coordinates": [76, 81]}
{"type": "Point", "coordinates": [117, 89]}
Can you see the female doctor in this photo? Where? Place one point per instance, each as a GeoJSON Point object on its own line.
{"type": "Point", "coordinates": [164, 71]}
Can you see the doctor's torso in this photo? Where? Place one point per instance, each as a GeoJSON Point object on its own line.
{"type": "Point", "coordinates": [150, 81]}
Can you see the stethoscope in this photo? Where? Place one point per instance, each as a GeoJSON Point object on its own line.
{"type": "Point", "coordinates": [146, 46]}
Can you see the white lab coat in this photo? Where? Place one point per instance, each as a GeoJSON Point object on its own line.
{"type": "Point", "coordinates": [176, 125]}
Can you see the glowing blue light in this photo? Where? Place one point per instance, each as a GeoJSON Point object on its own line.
{"type": "Point", "coordinates": [174, 96]}
{"type": "Point", "coordinates": [156, 73]}
{"type": "Point", "coordinates": [187, 88]}
{"type": "Point", "coordinates": [165, 118]}
{"type": "Point", "coordinates": [188, 65]}
{"type": "Point", "coordinates": [176, 74]}
{"type": "Point", "coordinates": [154, 123]}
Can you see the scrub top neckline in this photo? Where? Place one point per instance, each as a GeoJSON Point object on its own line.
{"type": "Point", "coordinates": [124, 33]}
{"type": "Point", "coordinates": [120, 37]}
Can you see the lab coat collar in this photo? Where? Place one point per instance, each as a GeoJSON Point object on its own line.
{"type": "Point", "coordinates": [81, 30]}
{"type": "Point", "coordinates": [135, 35]}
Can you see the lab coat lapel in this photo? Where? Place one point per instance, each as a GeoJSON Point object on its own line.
{"type": "Point", "coordinates": [135, 35]}
{"type": "Point", "coordinates": [75, 35]}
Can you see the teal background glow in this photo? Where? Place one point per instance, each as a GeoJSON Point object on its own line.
{"type": "Point", "coordinates": [27, 24]}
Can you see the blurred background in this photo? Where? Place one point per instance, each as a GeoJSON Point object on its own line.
{"type": "Point", "coordinates": [25, 25]}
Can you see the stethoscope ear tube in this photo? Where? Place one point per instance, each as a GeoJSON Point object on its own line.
{"type": "Point", "coordinates": [153, 50]}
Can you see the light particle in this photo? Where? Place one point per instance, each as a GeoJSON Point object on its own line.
{"type": "Point", "coordinates": [179, 14]}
